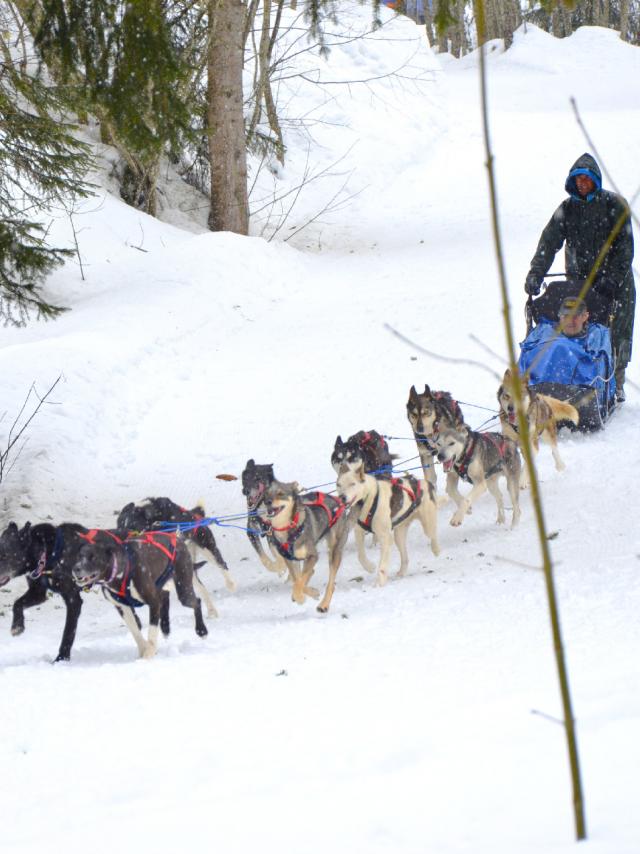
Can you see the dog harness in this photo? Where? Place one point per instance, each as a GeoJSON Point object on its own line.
{"type": "Point", "coordinates": [461, 467]}
{"type": "Point", "coordinates": [122, 593]}
{"type": "Point", "coordinates": [311, 499]}
{"type": "Point", "coordinates": [44, 561]}
{"type": "Point", "coordinates": [414, 494]}
{"type": "Point", "coordinates": [91, 535]}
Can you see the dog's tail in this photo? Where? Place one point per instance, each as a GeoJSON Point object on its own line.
{"type": "Point", "coordinates": [561, 410]}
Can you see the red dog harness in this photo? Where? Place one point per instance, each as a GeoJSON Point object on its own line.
{"type": "Point", "coordinates": [312, 499]}
{"type": "Point", "coordinates": [414, 495]}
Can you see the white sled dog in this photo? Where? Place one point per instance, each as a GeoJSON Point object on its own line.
{"type": "Point", "coordinates": [386, 508]}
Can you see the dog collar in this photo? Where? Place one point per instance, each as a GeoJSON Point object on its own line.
{"type": "Point", "coordinates": [292, 524]}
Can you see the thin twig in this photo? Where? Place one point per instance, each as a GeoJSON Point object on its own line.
{"type": "Point", "coordinates": [523, 429]}
{"type": "Point", "coordinates": [450, 359]}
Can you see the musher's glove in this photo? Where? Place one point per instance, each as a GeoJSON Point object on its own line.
{"type": "Point", "coordinates": [532, 284]}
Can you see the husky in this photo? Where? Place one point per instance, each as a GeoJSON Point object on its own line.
{"type": "Point", "coordinates": [542, 413]}
{"type": "Point", "coordinates": [296, 524]}
{"type": "Point", "coordinates": [480, 459]}
{"type": "Point", "coordinates": [367, 447]}
{"type": "Point", "coordinates": [429, 413]}
{"type": "Point", "coordinates": [134, 573]}
{"type": "Point", "coordinates": [387, 508]}
{"type": "Point", "coordinates": [153, 512]}
{"type": "Point", "coordinates": [42, 554]}
{"type": "Point", "coordinates": [256, 479]}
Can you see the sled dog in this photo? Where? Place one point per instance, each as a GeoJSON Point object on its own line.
{"type": "Point", "coordinates": [296, 524]}
{"type": "Point", "coordinates": [480, 459]}
{"type": "Point", "coordinates": [153, 512]}
{"type": "Point", "coordinates": [256, 478]}
{"type": "Point", "coordinates": [429, 413]}
{"type": "Point", "coordinates": [387, 508]}
{"type": "Point", "coordinates": [43, 555]}
{"type": "Point", "coordinates": [367, 447]}
{"type": "Point", "coordinates": [134, 573]}
{"type": "Point", "coordinates": [542, 413]}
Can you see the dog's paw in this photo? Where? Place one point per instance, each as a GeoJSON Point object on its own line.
{"type": "Point", "coordinates": [382, 579]}
{"type": "Point", "coordinates": [17, 630]}
{"type": "Point", "coordinates": [322, 608]}
{"type": "Point", "coordinates": [298, 597]}
{"type": "Point", "coordinates": [211, 612]}
{"type": "Point", "coordinates": [149, 650]}
{"type": "Point", "coordinates": [456, 520]}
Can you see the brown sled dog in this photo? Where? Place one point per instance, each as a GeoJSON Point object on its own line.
{"type": "Point", "coordinates": [430, 412]}
{"type": "Point", "coordinates": [542, 413]}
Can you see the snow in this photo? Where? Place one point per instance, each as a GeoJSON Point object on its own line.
{"type": "Point", "coordinates": [418, 717]}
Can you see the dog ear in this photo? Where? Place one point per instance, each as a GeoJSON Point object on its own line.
{"type": "Point", "coordinates": [251, 464]}
{"type": "Point", "coordinates": [413, 394]}
{"type": "Point", "coordinates": [339, 440]}
{"type": "Point", "coordinates": [360, 472]}
{"type": "Point", "coordinates": [427, 390]}
{"type": "Point", "coordinates": [507, 375]}
{"type": "Point", "coordinates": [24, 534]}
{"type": "Point", "coordinates": [296, 487]}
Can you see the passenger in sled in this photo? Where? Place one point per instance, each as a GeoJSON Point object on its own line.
{"type": "Point", "coordinates": [568, 356]}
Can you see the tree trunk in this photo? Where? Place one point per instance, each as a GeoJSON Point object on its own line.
{"type": "Point", "coordinates": [225, 118]}
{"type": "Point", "coordinates": [428, 23]}
{"type": "Point", "coordinates": [624, 20]}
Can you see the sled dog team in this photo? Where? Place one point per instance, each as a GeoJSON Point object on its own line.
{"type": "Point", "coordinates": [134, 563]}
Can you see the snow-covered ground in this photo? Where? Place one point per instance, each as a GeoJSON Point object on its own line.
{"type": "Point", "coordinates": [414, 718]}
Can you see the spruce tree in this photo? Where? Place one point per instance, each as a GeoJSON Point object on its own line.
{"type": "Point", "coordinates": [40, 163]}
{"type": "Point", "coordinates": [123, 62]}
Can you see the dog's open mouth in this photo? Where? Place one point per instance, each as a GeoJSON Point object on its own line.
{"type": "Point", "coordinates": [4, 579]}
{"type": "Point", "coordinates": [86, 580]}
{"type": "Point", "coordinates": [255, 496]}
{"type": "Point", "coordinates": [513, 417]}
{"type": "Point", "coordinates": [447, 465]}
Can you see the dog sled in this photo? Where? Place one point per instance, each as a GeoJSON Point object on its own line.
{"type": "Point", "coordinates": [578, 370]}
